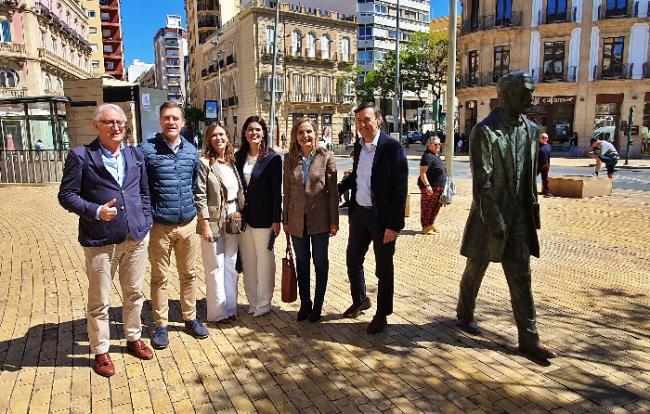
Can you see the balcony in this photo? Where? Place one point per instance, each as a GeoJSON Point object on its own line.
{"type": "Point", "coordinates": [58, 63]}
{"type": "Point", "coordinates": [207, 5]}
{"type": "Point", "coordinates": [12, 50]}
{"type": "Point", "coordinates": [324, 55]}
{"type": "Point", "coordinates": [560, 17]}
{"type": "Point", "coordinates": [627, 10]}
{"type": "Point", "coordinates": [349, 59]}
{"type": "Point", "coordinates": [266, 51]}
{"type": "Point", "coordinates": [616, 71]}
{"type": "Point", "coordinates": [13, 92]}
{"type": "Point", "coordinates": [552, 76]}
{"type": "Point", "coordinates": [476, 80]}
{"type": "Point", "coordinates": [109, 4]}
{"type": "Point", "coordinates": [492, 22]}
{"type": "Point", "coordinates": [208, 21]}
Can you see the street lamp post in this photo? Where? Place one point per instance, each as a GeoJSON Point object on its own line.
{"type": "Point", "coordinates": [397, 117]}
{"type": "Point", "coordinates": [270, 139]}
{"type": "Point", "coordinates": [451, 89]}
{"type": "Point", "coordinates": [220, 52]}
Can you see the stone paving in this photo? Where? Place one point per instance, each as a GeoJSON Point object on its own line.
{"type": "Point", "coordinates": [591, 288]}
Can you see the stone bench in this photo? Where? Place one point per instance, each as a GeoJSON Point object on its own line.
{"type": "Point", "coordinates": [578, 186]}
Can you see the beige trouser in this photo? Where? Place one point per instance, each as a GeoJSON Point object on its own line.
{"type": "Point", "coordinates": [181, 238]}
{"type": "Point", "coordinates": [101, 263]}
{"type": "Point", "coordinates": [258, 264]}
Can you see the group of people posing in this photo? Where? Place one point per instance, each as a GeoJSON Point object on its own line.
{"type": "Point", "coordinates": [143, 203]}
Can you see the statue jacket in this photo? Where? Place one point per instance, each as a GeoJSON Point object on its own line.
{"type": "Point", "coordinates": [504, 172]}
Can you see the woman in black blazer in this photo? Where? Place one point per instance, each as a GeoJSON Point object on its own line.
{"type": "Point", "coordinates": [261, 171]}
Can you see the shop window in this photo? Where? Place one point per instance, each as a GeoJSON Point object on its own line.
{"type": "Point", "coordinates": [553, 61]}
{"type": "Point", "coordinates": [5, 32]}
{"type": "Point", "coordinates": [501, 62]}
{"type": "Point", "coordinates": [473, 67]}
{"type": "Point", "coordinates": [613, 56]}
{"type": "Point", "coordinates": [8, 78]}
{"type": "Point", "coordinates": [504, 13]}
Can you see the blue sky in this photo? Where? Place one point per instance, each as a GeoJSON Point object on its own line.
{"type": "Point", "coordinates": [142, 19]}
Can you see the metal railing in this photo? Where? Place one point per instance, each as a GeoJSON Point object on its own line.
{"type": "Point", "coordinates": [492, 22]}
{"type": "Point", "coordinates": [478, 79]}
{"type": "Point", "coordinates": [552, 76]}
{"type": "Point", "coordinates": [568, 15]}
{"type": "Point", "coordinates": [628, 10]}
{"type": "Point", "coordinates": [31, 166]}
{"type": "Point", "coordinates": [614, 71]}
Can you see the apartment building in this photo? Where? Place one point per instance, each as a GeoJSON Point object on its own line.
{"type": "Point", "coordinates": [105, 35]}
{"type": "Point", "coordinates": [588, 58]}
{"type": "Point", "coordinates": [42, 44]}
{"type": "Point", "coordinates": [315, 71]}
{"type": "Point", "coordinates": [147, 78]}
{"type": "Point", "coordinates": [136, 69]}
{"type": "Point", "coordinates": [170, 49]}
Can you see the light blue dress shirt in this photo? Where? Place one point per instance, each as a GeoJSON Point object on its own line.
{"type": "Point", "coordinates": [116, 166]}
{"type": "Point", "coordinates": [364, 172]}
{"type": "Point", "coordinates": [306, 164]}
{"type": "Point", "coordinates": [174, 148]}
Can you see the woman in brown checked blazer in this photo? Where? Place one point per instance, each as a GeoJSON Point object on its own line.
{"type": "Point", "coordinates": [310, 212]}
{"type": "Point", "coordinates": [219, 194]}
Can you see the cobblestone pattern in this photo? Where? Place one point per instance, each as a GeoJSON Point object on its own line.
{"type": "Point", "coordinates": [591, 289]}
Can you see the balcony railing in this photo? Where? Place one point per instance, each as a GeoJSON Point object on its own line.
{"type": "Point", "coordinates": [628, 10]}
{"type": "Point", "coordinates": [324, 54]}
{"type": "Point", "coordinates": [58, 62]}
{"type": "Point", "coordinates": [208, 21]}
{"type": "Point", "coordinates": [614, 71]}
{"type": "Point", "coordinates": [13, 92]}
{"type": "Point", "coordinates": [552, 76]}
{"type": "Point", "coordinates": [492, 22]}
{"type": "Point", "coordinates": [266, 51]}
{"type": "Point", "coordinates": [478, 80]}
{"type": "Point", "coordinates": [207, 5]}
{"type": "Point", "coordinates": [568, 15]}
{"type": "Point", "coordinates": [14, 50]}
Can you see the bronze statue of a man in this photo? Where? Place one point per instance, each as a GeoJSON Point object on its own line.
{"type": "Point", "coordinates": [504, 218]}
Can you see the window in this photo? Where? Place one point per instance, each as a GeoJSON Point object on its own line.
{"type": "Point", "coordinates": [43, 44]}
{"type": "Point", "coordinates": [108, 48]}
{"type": "Point", "coordinates": [5, 32]}
{"type": "Point", "coordinates": [613, 56]}
{"type": "Point", "coordinates": [92, 30]}
{"type": "Point", "coordinates": [501, 61]}
{"type": "Point", "coordinates": [553, 61]}
{"type": "Point", "coordinates": [8, 78]}
{"type": "Point", "coordinates": [47, 83]}
{"type": "Point", "coordinates": [345, 49]}
{"type": "Point", "coordinates": [106, 33]}
{"type": "Point", "coordinates": [474, 15]}
{"type": "Point", "coordinates": [104, 16]}
{"type": "Point", "coordinates": [312, 88]}
{"type": "Point", "coordinates": [95, 64]}
{"type": "Point", "coordinates": [59, 85]}
{"type": "Point", "coordinates": [556, 11]}
{"type": "Point", "coordinates": [296, 43]}
{"type": "Point", "coordinates": [53, 44]}
{"type": "Point", "coordinates": [109, 65]}
{"type": "Point", "coordinates": [381, 9]}
{"type": "Point", "coordinates": [326, 88]}
{"type": "Point", "coordinates": [64, 51]}
{"type": "Point", "coordinates": [473, 67]}
{"type": "Point", "coordinates": [325, 47]}
{"type": "Point", "coordinates": [296, 90]}
{"type": "Point", "coordinates": [93, 47]}
{"type": "Point", "coordinates": [616, 8]}
{"type": "Point", "coordinates": [365, 57]}
{"type": "Point", "coordinates": [504, 13]}
{"type": "Point", "coordinates": [311, 45]}
{"type": "Point", "coordinates": [91, 13]}
{"type": "Point", "coordinates": [365, 32]}
{"type": "Point", "coordinates": [270, 37]}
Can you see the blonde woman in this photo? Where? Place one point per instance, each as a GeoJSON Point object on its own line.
{"type": "Point", "coordinates": [219, 197]}
{"type": "Point", "coordinates": [310, 214]}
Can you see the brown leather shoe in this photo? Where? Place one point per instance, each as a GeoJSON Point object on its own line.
{"type": "Point", "coordinates": [354, 310]}
{"type": "Point", "coordinates": [376, 325]}
{"type": "Point", "coordinates": [139, 349]}
{"type": "Point", "coordinates": [104, 365]}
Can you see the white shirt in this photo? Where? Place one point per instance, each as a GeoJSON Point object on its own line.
{"type": "Point", "coordinates": [364, 171]}
{"type": "Point", "coordinates": [605, 147]}
{"type": "Point", "coordinates": [231, 184]}
{"type": "Point", "coordinates": [248, 168]}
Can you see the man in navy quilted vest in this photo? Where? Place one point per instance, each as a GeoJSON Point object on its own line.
{"type": "Point", "coordinates": [172, 168]}
{"type": "Point", "coordinates": [105, 184]}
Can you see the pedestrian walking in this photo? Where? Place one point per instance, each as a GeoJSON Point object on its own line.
{"type": "Point", "coordinates": [379, 186]}
{"type": "Point", "coordinates": [605, 153]}
{"type": "Point", "coordinates": [261, 169]}
{"type": "Point", "coordinates": [504, 217]}
{"type": "Point", "coordinates": [219, 199]}
{"type": "Point", "coordinates": [105, 184]}
{"type": "Point", "coordinates": [310, 213]}
{"type": "Point", "coordinates": [173, 168]}
{"type": "Point", "coordinates": [432, 179]}
{"type": "Point", "coordinates": [544, 162]}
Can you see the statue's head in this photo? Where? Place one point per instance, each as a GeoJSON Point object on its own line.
{"type": "Point", "coordinates": [515, 91]}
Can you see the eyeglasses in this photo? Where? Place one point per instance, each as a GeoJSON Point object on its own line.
{"type": "Point", "coordinates": [119, 124]}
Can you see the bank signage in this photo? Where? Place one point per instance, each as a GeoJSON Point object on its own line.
{"type": "Point", "coordinates": [553, 100]}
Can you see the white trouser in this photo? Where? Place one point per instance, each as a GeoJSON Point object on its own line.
{"type": "Point", "coordinates": [258, 263]}
{"type": "Point", "coordinates": [101, 263]}
{"type": "Point", "coordinates": [220, 276]}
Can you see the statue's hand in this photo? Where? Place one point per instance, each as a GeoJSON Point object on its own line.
{"type": "Point", "coordinates": [498, 230]}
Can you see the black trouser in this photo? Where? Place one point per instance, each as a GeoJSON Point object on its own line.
{"type": "Point", "coordinates": [516, 266]}
{"type": "Point", "coordinates": [364, 229]}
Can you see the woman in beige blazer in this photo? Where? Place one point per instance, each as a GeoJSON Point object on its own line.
{"type": "Point", "coordinates": [310, 212]}
{"type": "Point", "coordinates": [219, 196]}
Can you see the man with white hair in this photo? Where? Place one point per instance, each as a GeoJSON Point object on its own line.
{"type": "Point", "coordinates": [105, 183]}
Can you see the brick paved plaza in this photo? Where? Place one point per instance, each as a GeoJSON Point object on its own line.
{"type": "Point", "coordinates": [591, 287]}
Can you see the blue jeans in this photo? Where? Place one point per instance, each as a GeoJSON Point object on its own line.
{"type": "Point", "coordinates": [319, 247]}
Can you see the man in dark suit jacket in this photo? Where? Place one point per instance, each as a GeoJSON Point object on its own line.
{"type": "Point", "coordinates": [379, 185]}
{"type": "Point", "coordinates": [504, 217]}
{"type": "Point", "coordinates": [105, 183]}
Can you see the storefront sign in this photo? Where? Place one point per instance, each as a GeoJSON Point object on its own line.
{"type": "Point", "coordinates": [553, 100]}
